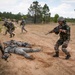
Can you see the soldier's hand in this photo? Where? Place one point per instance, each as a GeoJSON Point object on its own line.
{"type": "Point", "coordinates": [61, 30]}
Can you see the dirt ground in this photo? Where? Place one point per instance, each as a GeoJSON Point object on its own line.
{"type": "Point", "coordinates": [44, 63]}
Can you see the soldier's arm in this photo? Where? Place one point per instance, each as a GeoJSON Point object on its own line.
{"type": "Point", "coordinates": [67, 30]}
{"type": "Point", "coordinates": [62, 30]}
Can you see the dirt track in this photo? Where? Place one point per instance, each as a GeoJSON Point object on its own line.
{"type": "Point", "coordinates": [44, 63]}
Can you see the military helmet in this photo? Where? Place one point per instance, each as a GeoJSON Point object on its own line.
{"type": "Point", "coordinates": [61, 19]}
{"type": "Point", "coordinates": [11, 41]}
{"type": "Point", "coordinates": [5, 57]}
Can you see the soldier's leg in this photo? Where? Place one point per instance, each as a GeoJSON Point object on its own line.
{"type": "Point", "coordinates": [11, 33]}
{"type": "Point", "coordinates": [24, 28]}
{"type": "Point", "coordinates": [28, 50]}
{"type": "Point", "coordinates": [27, 56]}
{"type": "Point", "coordinates": [6, 32]}
{"type": "Point", "coordinates": [22, 51]}
{"type": "Point", "coordinates": [56, 47]}
{"type": "Point", "coordinates": [1, 48]}
{"type": "Point", "coordinates": [64, 46]}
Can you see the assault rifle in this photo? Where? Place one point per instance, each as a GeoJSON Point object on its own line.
{"type": "Point", "coordinates": [55, 30]}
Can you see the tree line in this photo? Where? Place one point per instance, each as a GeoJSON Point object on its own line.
{"type": "Point", "coordinates": [9, 15]}
{"type": "Point", "coordinates": [36, 14]}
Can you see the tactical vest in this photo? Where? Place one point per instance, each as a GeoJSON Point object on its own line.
{"type": "Point", "coordinates": [65, 36]}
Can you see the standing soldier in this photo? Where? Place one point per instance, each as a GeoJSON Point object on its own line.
{"type": "Point", "coordinates": [64, 32]}
{"type": "Point", "coordinates": [22, 24]}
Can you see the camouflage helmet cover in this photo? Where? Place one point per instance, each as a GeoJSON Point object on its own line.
{"type": "Point", "coordinates": [61, 19]}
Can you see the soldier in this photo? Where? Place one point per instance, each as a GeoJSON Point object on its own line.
{"type": "Point", "coordinates": [17, 21]}
{"type": "Point", "coordinates": [5, 20]}
{"type": "Point", "coordinates": [18, 43]}
{"type": "Point", "coordinates": [1, 48]}
{"type": "Point", "coordinates": [22, 24]}
{"type": "Point", "coordinates": [64, 32]}
{"type": "Point", "coordinates": [19, 50]}
{"type": "Point", "coordinates": [10, 28]}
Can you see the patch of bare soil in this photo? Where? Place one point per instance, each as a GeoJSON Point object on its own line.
{"type": "Point", "coordinates": [44, 63]}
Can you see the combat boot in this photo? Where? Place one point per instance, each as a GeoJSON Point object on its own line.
{"type": "Point", "coordinates": [68, 56]}
{"type": "Point", "coordinates": [56, 55]}
{"type": "Point", "coordinates": [13, 34]}
{"type": "Point", "coordinates": [10, 35]}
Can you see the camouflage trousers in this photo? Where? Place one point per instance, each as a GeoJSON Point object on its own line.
{"type": "Point", "coordinates": [23, 28]}
{"type": "Point", "coordinates": [20, 51]}
{"type": "Point", "coordinates": [10, 32]}
{"type": "Point", "coordinates": [64, 46]}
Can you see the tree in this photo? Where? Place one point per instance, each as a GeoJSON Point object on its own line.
{"type": "Point", "coordinates": [55, 18]}
{"type": "Point", "coordinates": [18, 16]}
{"type": "Point", "coordinates": [35, 11]}
{"type": "Point", "coordinates": [0, 19]}
{"type": "Point", "coordinates": [9, 15]}
{"type": "Point", "coordinates": [45, 13]}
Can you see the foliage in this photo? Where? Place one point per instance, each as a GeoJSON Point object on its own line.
{"type": "Point", "coordinates": [39, 13]}
{"type": "Point", "coordinates": [70, 20]}
{"type": "Point", "coordinates": [35, 10]}
{"type": "Point", "coordinates": [45, 13]}
{"type": "Point", "coordinates": [55, 17]}
{"type": "Point", "coordinates": [10, 15]}
{"type": "Point", "coordinates": [0, 19]}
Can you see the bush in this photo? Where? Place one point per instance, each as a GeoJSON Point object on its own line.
{"type": "Point", "coordinates": [55, 18]}
{"type": "Point", "coordinates": [0, 19]}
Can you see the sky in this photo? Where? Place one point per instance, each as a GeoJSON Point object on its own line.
{"type": "Point", "coordinates": [64, 8]}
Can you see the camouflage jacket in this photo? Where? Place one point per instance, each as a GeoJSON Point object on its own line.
{"type": "Point", "coordinates": [65, 36]}
{"type": "Point", "coordinates": [23, 22]}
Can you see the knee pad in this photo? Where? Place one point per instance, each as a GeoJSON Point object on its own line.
{"type": "Point", "coordinates": [63, 49]}
{"type": "Point", "coordinates": [64, 46]}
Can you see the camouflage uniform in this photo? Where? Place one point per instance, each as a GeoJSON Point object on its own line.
{"type": "Point", "coordinates": [1, 48]}
{"type": "Point", "coordinates": [18, 50]}
{"type": "Point", "coordinates": [63, 40]}
{"type": "Point", "coordinates": [64, 32]}
{"type": "Point", "coordinates": [22, 24]}
{"type": "Point", "coordinates": [10, 28]}
{"type": "Point", "coordinates": [18, 43]}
